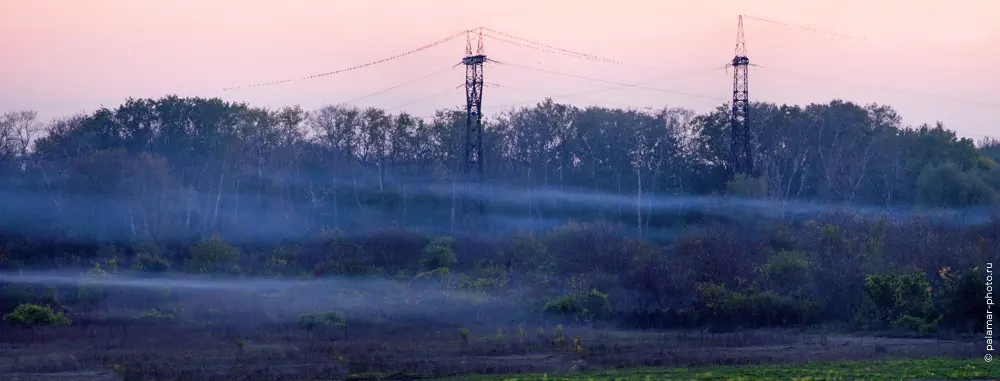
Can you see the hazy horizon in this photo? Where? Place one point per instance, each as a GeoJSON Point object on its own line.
{"type": "Point", "coordinates": [66, 57]}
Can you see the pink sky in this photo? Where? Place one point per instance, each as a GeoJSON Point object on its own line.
{"type": "Point", "coordinates": [62, 56]}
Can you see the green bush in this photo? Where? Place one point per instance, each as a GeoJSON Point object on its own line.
{"type": "Point", "coordinates": [584, 307]}
{"type": "Point", "coordinates": [889, 297]}
{"type": "Point", "coordinates": [439, 253]}
{"type": "Point", "coordinates": [322, 319]}
{"type": "Point", "coordinates": [152, 263]}
{"type": "Point", "coordinates": [751, 308]}
{"type": "Point", "coordinates": [787, 270]}
{"type": "Point", "coordinates": [34, 314]}
{"type": "Point", "coordinates": [213, 255]}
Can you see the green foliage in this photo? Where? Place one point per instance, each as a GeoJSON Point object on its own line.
{"type": "Point", "coordinates": [788, 270]}
{"type": "Point", "coordinates": [889, 297]}
{"type": "Point", "coordinates": [486, 277]}
{"type": "Point", "coordinates": [752, 308]}
{"type": "Point", "coordinates": [33, 314]}
{"type": "Point", "coordinates": [281, 261]}
{"type": "Point", "coordinates": [322, 319]}
{"type": "Point", "coordinates": [152, 263]}
{"type": "Point", "coordinates": [948, 185]}
{"type": "Point", "coordinates": [558, 339]}
{"type": "Point", "coordinates": [347, 260]}
{"type": "Point", "coordinates": [528, 251]}
{"type": "Point", "coordinates": [439, 253]}
{"type": "Point", "coordinates": [593, 305]}
{"type": "Point", "coordinates": [464, 334]}
{"type": "Point", "coordinates": [212, 255]}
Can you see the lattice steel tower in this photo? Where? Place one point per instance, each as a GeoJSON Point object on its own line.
{"type": "Point", "coordinates": [740, 153]}
{"type": "Point", "coordinates": [473, 160]}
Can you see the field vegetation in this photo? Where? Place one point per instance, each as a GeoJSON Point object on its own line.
{"type": "Point", "coordinates": [193, 239]}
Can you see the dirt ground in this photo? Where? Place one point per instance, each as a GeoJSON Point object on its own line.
{"type": "Point", "coordinates": [223, 336]}
{"type": "Point", "coordinates": [137, 350]}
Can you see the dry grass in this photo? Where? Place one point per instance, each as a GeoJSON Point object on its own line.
{"type": "Point", "coordinates": [172, 350]}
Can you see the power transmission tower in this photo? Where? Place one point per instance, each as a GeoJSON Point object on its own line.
{"type": "Point", "coordinates": [473, 160]}
{"type": "Point", "coordinates": [741, 156]}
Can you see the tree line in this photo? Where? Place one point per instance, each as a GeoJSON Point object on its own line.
{"type": "Point", "coordinates": [207, 186]}
{"type": "Point", "coordinates": [154, 169]}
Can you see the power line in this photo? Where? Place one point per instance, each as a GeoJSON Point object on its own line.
{"type": "Point", "coordinates": [612, 82]}
{"type": "Point", "coordinates": [806, 28]}
{"type": "Point", "coordinates": [527, 41]}
{"type": "Point", "coordinates": [400, 55]}
{"type": "Point", "coordinates": [588, 92]}
{"type": "Point", "coordinates": [402, 84]}
{"type": "Point", "coordinates": [541, 49]}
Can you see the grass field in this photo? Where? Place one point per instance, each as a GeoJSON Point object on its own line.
{"type": "Point", "coordinates": [926, 369]}
{"type": "Point", "coordinates": [220, 336]}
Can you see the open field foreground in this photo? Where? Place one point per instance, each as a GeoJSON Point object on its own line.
{"type": "Point", "coordinates": [936, 369]}
{"type": "Point", "coordinates": [147, 349]}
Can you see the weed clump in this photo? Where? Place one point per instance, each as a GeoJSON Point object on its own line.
{"type": "Point", "coordinates": [35, 315]}
{"type": "Point", "coordinates": [154, 315]}
{"type": "Point", "coordinates": [464, 334]}
{"type": "Point", "coordinates": [322, 319]}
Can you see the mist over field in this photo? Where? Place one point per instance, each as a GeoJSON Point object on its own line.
{"type": "Point", "coordinates": [273, 241]}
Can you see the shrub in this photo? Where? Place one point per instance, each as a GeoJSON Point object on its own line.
{"type": "Point", "coordinates": [34, 314]}
{"type": "Point", "coordinates": [212, 255]}
{"type": "Point", "coordinates": [322, 319]}
{"type": "Point", "coordinates": [152, 263]}
{"type": "Point", "coordinates": [787, 270]}
{"type": "Point", "coordinates": [889, 297]}
{"type": "Point", "coordinates": [529, 252]}
{"type": "Point", "coordinates": [583, 307]}
{"type": "Point", "coordinates": [439, 253]}
{"type": "Point", "coordinates": [751, 308]}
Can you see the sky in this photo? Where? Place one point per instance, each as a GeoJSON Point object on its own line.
{"type": "Point", "coordinates": [928, 59]}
